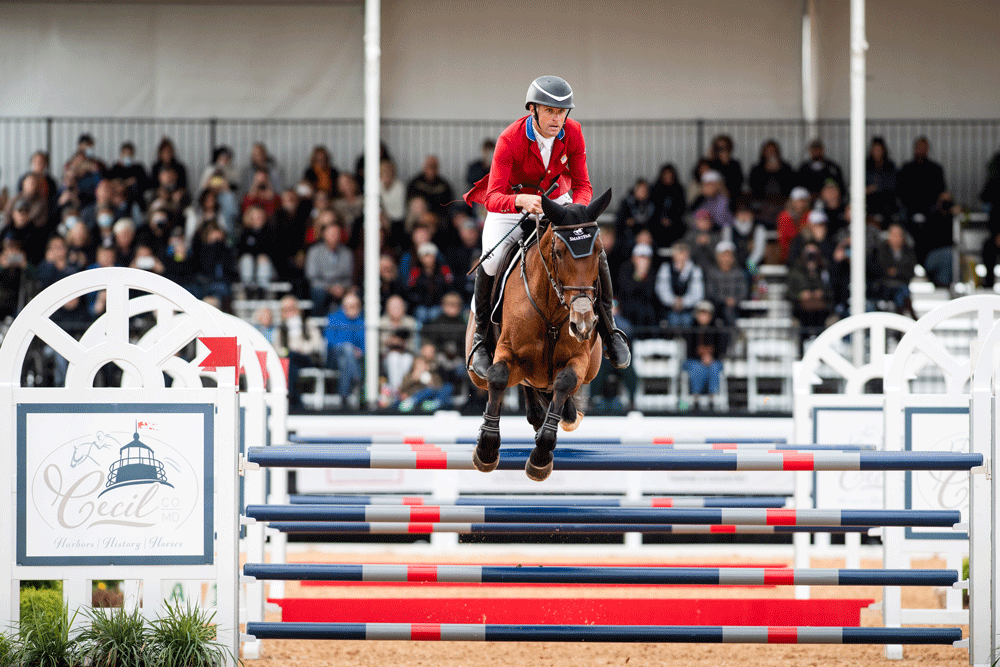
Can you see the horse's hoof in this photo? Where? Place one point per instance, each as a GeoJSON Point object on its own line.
{"type": "Point", "coordinates": [537, 470]}
{"type": "Point", "coordinates": [485, 466]}
{"type": "Point", "coordinates": [571, 426]}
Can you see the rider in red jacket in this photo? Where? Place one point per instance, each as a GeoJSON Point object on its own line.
{"type": "Point", "coordinates": [532, 153]}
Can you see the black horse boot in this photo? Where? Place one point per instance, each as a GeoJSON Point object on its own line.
{"type": "Point", "coordinates": [479, 357]}
{"type": "Point", "coordinates": [615, 340]}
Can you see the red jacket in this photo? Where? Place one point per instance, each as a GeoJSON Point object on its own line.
{"type": "Point", "coordinates": [517, 160]}
{"type": "Point", "coordinates": [788, 229]}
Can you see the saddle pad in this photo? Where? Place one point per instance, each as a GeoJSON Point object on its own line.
{"type": "Point", "coordinates": [496, 314]}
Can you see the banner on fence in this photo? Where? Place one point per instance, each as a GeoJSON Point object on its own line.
{"type": "Point", "coordinates": [115, 484]}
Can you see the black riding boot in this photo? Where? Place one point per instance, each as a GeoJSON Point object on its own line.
{"type": "Point", "coordinates": [479, 358]}
{"type": "Point", "coordinates": [615, 341]}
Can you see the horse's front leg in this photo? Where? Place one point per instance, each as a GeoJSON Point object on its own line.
{"type": "Point", "coordinates": [539, 464]}
{"type": "Point", "coordinates": [487, 454]}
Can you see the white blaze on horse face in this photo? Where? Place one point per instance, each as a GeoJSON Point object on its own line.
{"type": "Point", "coordinates": [582, 318]}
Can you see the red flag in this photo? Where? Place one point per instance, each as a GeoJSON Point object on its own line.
{"type": "Point", "coordinates": [222, 352]}
{"type": "Point", "coordinates": [262, 358]}
{"type": "Point", "coordinates": [284, 367]}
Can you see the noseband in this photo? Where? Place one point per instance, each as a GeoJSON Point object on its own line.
{"type": "Point", "coordinates": [586, 291]}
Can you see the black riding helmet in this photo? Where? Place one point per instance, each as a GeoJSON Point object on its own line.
{"type": "Point", "coordinates": [550, 91]}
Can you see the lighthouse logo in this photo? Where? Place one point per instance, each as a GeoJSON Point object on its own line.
{"type": "Point", "coordinates": [136, 465]}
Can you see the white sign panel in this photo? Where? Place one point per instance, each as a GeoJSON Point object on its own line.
{"type": "Point", "coordinates": [848, 489]}
{"type": "Point", "coordinates": [115, 484]}
{"type": "Point", "coordinates": [937, 430]}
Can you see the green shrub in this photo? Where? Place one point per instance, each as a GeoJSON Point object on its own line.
{"type": "Point", "coordinates": [40, 605]}
{"type": "Point", "coordinates": [965, 576]}
{"type": "Point", "coordinates": [115, 638]}
{"type": "Point", "coordinates": [42, 585]}
{"type": "Point", "coordinates": [9, 650]}
{"type": "Point", "coordinates": [185, 637]}
{"type": "Point", "coordinates": [45, 635]}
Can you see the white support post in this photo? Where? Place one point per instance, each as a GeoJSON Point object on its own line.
{"type": "Point", "coordinates": [373, 55]}
{"type": "Point", "coordinates": [893, 489]}
{"type": "Point", "coordinates": [633, 491]}
{"type": "Point", "coordinates": [445, 493]}
{"type": "Point", "coordinates": [131, 593]}
{"type": "Point", "coordinates": [802, 541]}
{"type": "Point", "coordinates": [852, 545]}
{"type": "Point", "coordinates": [278, 541]}
{"type": "Point", "coordinates": [858, 47]}
{"type": "Point", "coordinates": [227, 520]}
{"type": "Point", "coordinates": [151, 595]}
{"type": "Point", "coordinates": [982, 539]}
{"type": "Point", "coordinates": [77, 598]}
{"type": "Point", "coordinates": [255, 489]}
{"type": "Point", "coordinates": [810, 68]}
{"type": "Point", "coordinates": [10, 607]}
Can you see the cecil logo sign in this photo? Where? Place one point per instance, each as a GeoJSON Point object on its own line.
{"type": "Point", "coordinates": [114, 484]}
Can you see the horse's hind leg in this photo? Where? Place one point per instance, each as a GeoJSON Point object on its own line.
{"type": "Point", "coordinates": [539, 463]}
{"type": "Point", "coordinates": [571, 417]}
{"type": "Point", "coordinates": [533, 407]}
{"type": "Point", "coordinates": [487, 454]}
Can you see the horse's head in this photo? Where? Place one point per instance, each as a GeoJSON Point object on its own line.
{"type": "Point", "coordinates": [570, 249]}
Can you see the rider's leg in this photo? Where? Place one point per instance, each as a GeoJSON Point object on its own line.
{"type": "Point", "coordinates": [494, 232]}
{"type": "Point", "coordinates": [614, 338]}
{"type": "Point", "coordinates": [480, 361]}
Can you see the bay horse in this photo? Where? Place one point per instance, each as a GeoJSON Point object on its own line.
{"type": "Point", "coordinates": [547, 342]}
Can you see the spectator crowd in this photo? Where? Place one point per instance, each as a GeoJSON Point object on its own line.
{"type": "Point", "coordinates": [685, 255]}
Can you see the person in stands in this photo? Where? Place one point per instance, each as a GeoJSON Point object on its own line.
{"type": "Point", "coordinates": [706, 346]}
{"type": "Point", "coordinates": [680, 285]}
{"type": "Point", "coordinates": [345, 341]}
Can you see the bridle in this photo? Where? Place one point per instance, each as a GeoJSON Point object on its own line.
{"type": "Point", "coordinates": [585, 291]}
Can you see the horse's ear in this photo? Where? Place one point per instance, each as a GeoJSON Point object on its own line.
{"type": "Point", "coordinates": [553, 211]}
{"type": "Point", "coordinates": [596, 207]}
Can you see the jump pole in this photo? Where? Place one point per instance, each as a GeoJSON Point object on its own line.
{"type": "Point", "coordinates": [698, 634]}
{"type": "Point", "coordinates": [291, 456]}
{"type": "Point", "coordinates": [627, 515]}
{"type": "Point", "coordinates": [401, 528]}
{"type": "Point", "coordinates": [700, 576]}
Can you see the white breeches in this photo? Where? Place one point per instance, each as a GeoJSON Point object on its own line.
{"type": "Point", "coordinates": [497, 225]}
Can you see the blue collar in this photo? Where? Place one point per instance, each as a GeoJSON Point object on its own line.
{"type": "Point", "coordinates": [529, 129]}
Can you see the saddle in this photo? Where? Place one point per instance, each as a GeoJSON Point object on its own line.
{"type": "Point", "coordinates": [508, 262]}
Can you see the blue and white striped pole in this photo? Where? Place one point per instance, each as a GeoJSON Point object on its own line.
{"type": "Point", "coordinates": [688, 634]}
{"type": "Point", "coordinates": [291, 456]}
{"type": "Point", "coordinates": [540, 514]}
{"type": "Point", "coordinates": [399, 528]}
{"type": "Point", "coordinates": [701, 576]}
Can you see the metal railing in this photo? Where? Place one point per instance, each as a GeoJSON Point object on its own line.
{"type": "Point", "coordinates": [619, 151]}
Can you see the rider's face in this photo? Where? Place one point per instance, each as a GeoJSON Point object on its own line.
{"type": "Point", "coordinates": [550, 120]}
